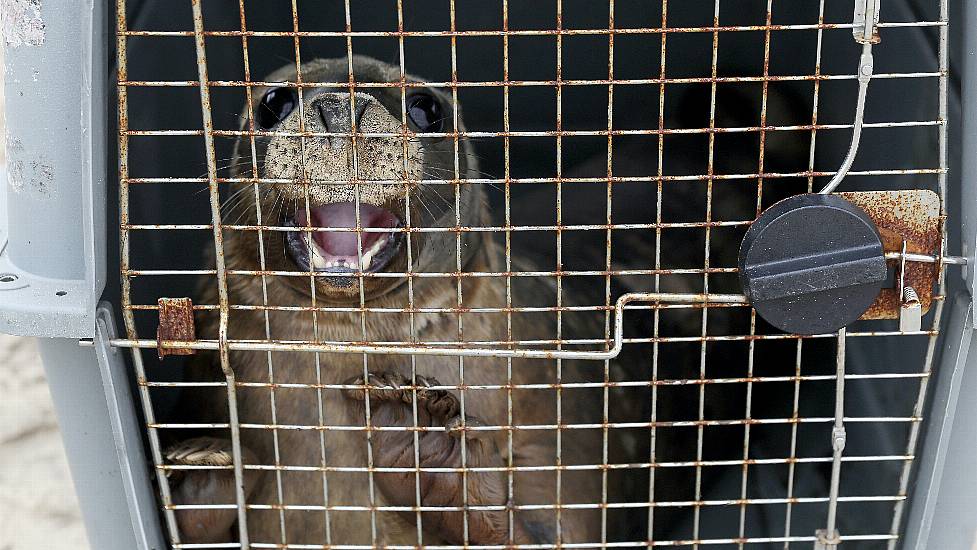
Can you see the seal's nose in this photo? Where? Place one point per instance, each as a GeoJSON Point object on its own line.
{"type": "Point", "coordinates": [334, 111]}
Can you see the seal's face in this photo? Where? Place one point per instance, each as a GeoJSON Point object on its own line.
{"type": "Point", "coordinates": [349, 218]}
{"type": "Point", "coordinates": [349, 174]}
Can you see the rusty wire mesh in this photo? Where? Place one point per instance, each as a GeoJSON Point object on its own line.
{"type": "Point", "coordinates": [733, 356]}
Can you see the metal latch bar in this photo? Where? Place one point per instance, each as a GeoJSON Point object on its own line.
{"type": "Point", "coordinates": [829, 538]}
{"type": "Point", "coordinates": [624, 300]}
{"type": "Point", "coordinates": [437, 350]}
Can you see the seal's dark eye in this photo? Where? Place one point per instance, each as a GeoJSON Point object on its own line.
{"type": "Point", "coordinates": [275, 106]}
{"type": "Point", "coordinates": [425, 113]}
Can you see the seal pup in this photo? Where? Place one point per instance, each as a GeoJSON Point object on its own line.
{"type": "Point", "coordinates": [531, 434]}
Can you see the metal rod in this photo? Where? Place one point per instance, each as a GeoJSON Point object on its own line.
{"type": "Point", "coordinates": [829, 537]}
{"type": "Point", "coordinates": [215, 209]}
{"type": "Point", "coordinates": [573, 506]}
{"type": "Point", "coordinates": [126, 283]}
{"type": "Point", "coordinates": [767, 127]}
{"type": "Point", "coordinates": [654, 297]}
{"type": "Point", "coordinates": [865, 68]}
{"type": "Point", "coordinates": [548, 468]}
{"type": "Point", "coordinates": [630, 544]}
{"type": "Point", "coordinates": [343, 347]}
{"type": "Point", "coordinates": [534, 32]}
{"type": "Point", "coordinates": [534, 181]}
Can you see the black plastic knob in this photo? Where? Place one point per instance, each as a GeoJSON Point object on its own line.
{"type": "Point", "coordinates": [812, 264]}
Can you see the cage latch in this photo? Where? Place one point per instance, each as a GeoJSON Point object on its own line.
{"type": "Point", "coordinates": [866, 21]}
{"type": "Point", "coordinates": [175, 324]}
{"type": "Point", "coordinates": [812, 264]}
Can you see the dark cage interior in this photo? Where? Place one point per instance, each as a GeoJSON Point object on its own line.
{"type": "Point", "coordinates": [620, 147]}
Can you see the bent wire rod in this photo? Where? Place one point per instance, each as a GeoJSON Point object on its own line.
{"type": "Point", "coordinates": [864, 77]}
{"type": "Point", "coordinates": [866, 23]}
{"type": "Point", "coordinates": [654, 297]}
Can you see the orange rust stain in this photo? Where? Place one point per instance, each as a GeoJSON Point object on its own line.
{"type": "Point", "coordinates": [175, 324]}
{"type": "Point", "coordinates": [913, 217]}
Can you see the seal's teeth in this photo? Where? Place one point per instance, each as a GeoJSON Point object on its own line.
{"type": "Point", "coordinates": [317, 257]}
{"type": "Point", "coordinates": [368, 256]}
{"type": "Point", "coordinates": [322, 260]}
{"type": "Point", "coordinates": [318, 262]}
{"type": "Point", "coordinates": [379, 245]}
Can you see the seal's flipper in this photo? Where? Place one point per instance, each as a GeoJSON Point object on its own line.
{"type": "Point", "coordinates": [205, 487]}
{"type": "Point", "coordinates": [392, 404]}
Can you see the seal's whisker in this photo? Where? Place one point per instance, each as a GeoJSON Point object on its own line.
{"type": "Point", "coordinates": [447, 151]}
{"type": "Point", "coordinates": [226, 167]}
{"type": "Point", "coordinates": [423, 203]}
{"type": "Point", "coordinates": [230, 210]}
{"type": "Point", "coordinates": [243, 205]}
{"type": "Point", "coordinates": [242, 209]}
{"type": "Point", "coordinates": [450, 172]}
{"type": "Point", "coordinates": [420, 200]}
{"type": "Point", "coordinates": [236, 194]}
{"type": "Point", "coordinates": [268, 214]}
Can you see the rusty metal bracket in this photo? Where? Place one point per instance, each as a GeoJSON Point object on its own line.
{"type": "Point", "coordinates": [866, 21]}
{"type": "Point", "coordinates": [909, 222]}
{"type": "Point", "coordinates": [175, 324]}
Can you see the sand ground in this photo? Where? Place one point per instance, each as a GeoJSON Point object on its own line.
{"type": "Point", "coordinates": [38, 508]}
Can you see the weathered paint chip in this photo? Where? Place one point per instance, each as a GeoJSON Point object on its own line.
{"type": "Point", "coordinates": [27, 173]}
{"type": "Point", "coordinates": [22, 22]}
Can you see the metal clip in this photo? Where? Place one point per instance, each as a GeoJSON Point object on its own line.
{"type": "Point", "coordinates": [911, 313]}
{"type": "Point", "coordinates": [838, 439]}
{"type": "Point", "coordinates": [866, 21]}
{"type": "Point", "coordinates": [826, 541]}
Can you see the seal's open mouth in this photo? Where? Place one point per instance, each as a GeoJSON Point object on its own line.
{"type": "Point", "coordinates": [337, 251]}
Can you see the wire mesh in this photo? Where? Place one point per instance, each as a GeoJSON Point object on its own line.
{"type": "Point", "coordinates": [706, 428]}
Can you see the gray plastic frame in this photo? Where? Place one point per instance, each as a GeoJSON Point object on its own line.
{"type": "Point", "coordinates": [52, 204]}
{"type": "Point", "coordinates": [52, 257]}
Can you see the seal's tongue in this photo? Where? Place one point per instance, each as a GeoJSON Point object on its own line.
{"type": "Point", "coordinates": [339, 248]}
